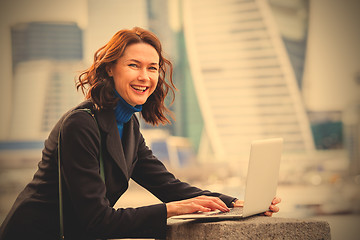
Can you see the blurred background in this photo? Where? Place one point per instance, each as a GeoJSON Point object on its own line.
{"type": "Point", "coordinates": [245, 70]}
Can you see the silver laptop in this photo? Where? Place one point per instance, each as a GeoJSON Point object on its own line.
{"type": "Point", "coordinates": [261, 182]}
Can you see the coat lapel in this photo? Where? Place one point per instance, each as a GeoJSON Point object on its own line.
{"type": "Point", "coordinates": [128, 144]}
{"type": "Point", "coordinates": [107, 123]}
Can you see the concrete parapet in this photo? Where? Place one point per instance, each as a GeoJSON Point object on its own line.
{"type": "Point", "coordinates": [257, 227]}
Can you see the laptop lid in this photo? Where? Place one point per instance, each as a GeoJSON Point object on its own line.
{"type": "Point", "coordinates": [262, 176]}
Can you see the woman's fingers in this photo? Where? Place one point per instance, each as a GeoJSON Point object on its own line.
{"type": "Point", "coordinates": [276, 200]}
{"type": "Point", "coordinates": [273, 208]}
{"type": "Point", "coordinates": [193, 207]}
{"type": "Point", "coordinates": [269, 214]}
{"type": "Point", "coordinates": [218, 203]}
{"type": "Point", "coordinates": [238, 203]}
{"type": "Point", "coordinates": [213, 203]}
{"type": "Point", "coordinates": [201, 203]}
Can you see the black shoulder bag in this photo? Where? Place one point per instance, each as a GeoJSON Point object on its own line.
{"type": "Point", "coordinates": [102, 174]}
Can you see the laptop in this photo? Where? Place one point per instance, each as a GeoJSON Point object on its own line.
{"type": "Point", "coordinates": [261, 182]}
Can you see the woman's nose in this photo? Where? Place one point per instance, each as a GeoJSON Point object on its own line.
{"type": "Point", "coordinates": [143, 75]}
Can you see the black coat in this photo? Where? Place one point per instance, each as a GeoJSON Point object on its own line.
{"type": "Point", "coordinates": [88, 202]}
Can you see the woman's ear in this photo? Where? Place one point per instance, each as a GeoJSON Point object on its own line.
{"type": "Point", "coordinates": [109, 70]}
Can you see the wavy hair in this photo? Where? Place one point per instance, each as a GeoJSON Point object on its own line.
{"type": "Point", "coordinates": [98, 86]}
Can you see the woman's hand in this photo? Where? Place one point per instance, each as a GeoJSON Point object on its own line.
{"type": "Point", "coordinates": [272, 209]}
{"type": "Point", "coordinates": [201, 203]}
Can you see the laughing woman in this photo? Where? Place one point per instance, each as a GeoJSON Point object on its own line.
{"type": "Point", "coordinates": [99, 147]}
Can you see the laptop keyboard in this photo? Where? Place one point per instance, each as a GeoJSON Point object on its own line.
{"type": "Point", "coordinates": [233, 211]}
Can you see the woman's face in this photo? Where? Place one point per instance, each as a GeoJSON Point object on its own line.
{"type": "Point", "coordinates": [136, 73]}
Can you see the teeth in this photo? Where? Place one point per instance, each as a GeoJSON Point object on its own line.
{"type": "Point", "coordinates": [139, 88]}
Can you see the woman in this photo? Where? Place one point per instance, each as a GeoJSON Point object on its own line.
{"type": "Point", "coordinates": [127, 76]}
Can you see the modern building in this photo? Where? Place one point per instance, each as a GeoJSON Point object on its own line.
{"type": "Point", "coordinates": [46, 58]}
{"type": "Point", "coordinates": [244, 80]}
{"type": "Point", "coordinates": [60, 41]}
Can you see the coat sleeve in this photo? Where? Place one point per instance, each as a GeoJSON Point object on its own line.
{"type": "Point", "coordinates": [151, 173]}
{"type": "Point", "coordinates": [80, 143]}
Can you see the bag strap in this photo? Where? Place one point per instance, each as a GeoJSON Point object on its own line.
{"type": "Point", "coordinates": [102, 173]}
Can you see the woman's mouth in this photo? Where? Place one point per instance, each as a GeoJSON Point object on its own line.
{"type": "Point", "coordinates": [140, 89]}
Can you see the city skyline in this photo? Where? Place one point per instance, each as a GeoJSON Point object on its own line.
{"type": "Point", "coordinates": [97, 30]}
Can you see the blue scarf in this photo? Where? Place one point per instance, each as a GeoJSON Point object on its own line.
{"type": "Point", "coordinates": [123, 112]}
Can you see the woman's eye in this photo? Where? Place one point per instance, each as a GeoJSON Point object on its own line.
{"type": "Point", "coordinates": [132, 65]}
{"type": "Point", "coordinates": [153, 68]}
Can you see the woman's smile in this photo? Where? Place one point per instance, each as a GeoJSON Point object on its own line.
{"type": "Point", "coordinates": [139, 89]}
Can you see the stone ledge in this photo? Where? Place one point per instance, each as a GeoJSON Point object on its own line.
{"type": "Point", "coordinates": [257, 227]}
